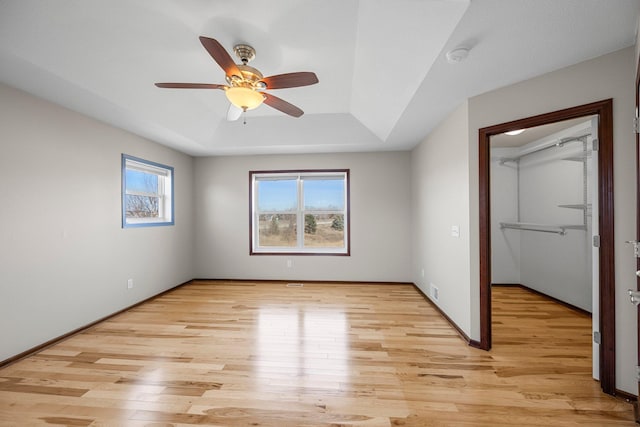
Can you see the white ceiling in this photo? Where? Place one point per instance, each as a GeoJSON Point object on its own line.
{"type": "Point", "coordinates": [384, 80]}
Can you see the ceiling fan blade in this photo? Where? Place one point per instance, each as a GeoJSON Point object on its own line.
{"type": "Point", "coordinates": [221, 56]}
{"type": "Point", "coordinates": [282, 105]}
{"type": "Point", "coordinates": [233, 113]}
{"type": "Point", "coordinates": [281, 81]}
{"type": "Point", "coordinates": [190, 86]}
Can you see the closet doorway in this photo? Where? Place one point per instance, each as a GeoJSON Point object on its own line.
{"type": "Point", "coordinates": [546, 217]}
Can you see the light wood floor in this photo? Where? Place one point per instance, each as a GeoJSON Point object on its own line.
{"type": "Point", "coordinates": [263, 354]}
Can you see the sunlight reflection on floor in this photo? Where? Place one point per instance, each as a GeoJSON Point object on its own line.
{"type": "Point", "coordinates": [302, 346]}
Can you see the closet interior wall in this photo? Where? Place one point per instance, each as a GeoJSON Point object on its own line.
{"type": "Point", "coordinates": [541, 217]}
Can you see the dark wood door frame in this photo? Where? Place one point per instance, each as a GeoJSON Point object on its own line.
{"type": "Point", "coordinates": [604, 111]}
{"type": "Point", "coordinates": [636, 404]}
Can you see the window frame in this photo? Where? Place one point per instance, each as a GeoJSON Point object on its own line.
{"type": "Point", "coordinates": [299, 175]}
{"type": "Point", "coordinates": [166, 207]}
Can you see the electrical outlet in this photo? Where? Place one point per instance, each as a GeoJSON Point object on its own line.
{"type": "Point", "coordinates": [289, 263]}
{"type": "Point", "coordinates": [130, 284]}
{"type": "Point", "coordinates": [422, 273]}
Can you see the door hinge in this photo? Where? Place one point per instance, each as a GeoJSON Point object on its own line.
{"type": "Point", "coordinates": [638, 373]}
{"type": "Point", "coordinates": [596, 337]}
{"type": "Point", "coordinates": [636, 125]}
{"type": "Point", "coordinates": [595, 144]}
{"type": "Point", "coordinates": [596, 241]}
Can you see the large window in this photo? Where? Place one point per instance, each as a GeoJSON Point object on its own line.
{"type": "Point", "coordinates": [304, 212]}
{"type": "Point", "coordinates": [147, 193]}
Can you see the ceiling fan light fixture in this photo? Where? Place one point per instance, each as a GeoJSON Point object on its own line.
{"type": "Point", "coordinates": [244, 97]}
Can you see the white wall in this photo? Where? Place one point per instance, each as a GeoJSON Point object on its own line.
{"type": "Point", "coordinates": [380, 219]}
{"type": "Point", "coordinates": [505, 244]}
{"type": "Point", "coordinates": [440, 199]}
{"type": "Point", "coordinates": [608, 76]}
{"type": "Point", "coordinates": [64, 258]}
{"type": "Point", "coordinates": [556, 265]}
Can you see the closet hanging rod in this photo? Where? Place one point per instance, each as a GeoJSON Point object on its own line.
{"type": "Point", "coordinates": [555, 229]}
{"type": "Point", "coordinates": [559, 143]}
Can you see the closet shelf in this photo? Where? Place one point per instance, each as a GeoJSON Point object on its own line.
{"type": "Point", "coordinates": [586, 207]}
{"type": "Point", "coordinates": [554, 144]}
{"type": "Point", "coordinates": [543, 228]}
{"type": "Point", "coordinates": [580, 158]}
{"type": "Point", "coordinates": [578, 206]}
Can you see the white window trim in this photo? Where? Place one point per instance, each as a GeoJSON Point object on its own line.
{"type": "Point", "coordinates": [166, 212]}
{"type": "Point", "coordinates": [300, 212]}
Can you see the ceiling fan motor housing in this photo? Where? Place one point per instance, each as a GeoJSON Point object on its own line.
{"type": "Point", "coordinates": [250, 78]}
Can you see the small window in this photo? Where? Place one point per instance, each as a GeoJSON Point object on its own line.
{"type": "Point", "coordinates": [147, 193]}
{"type": "Point", "coordinates": [300, 212]}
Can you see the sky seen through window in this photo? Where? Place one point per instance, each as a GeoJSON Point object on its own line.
{"type": "Point", "coordinates": [319, 194]}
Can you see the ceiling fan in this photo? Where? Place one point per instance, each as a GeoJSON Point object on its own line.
{"type": "Point", "coordinates": [246, 86]}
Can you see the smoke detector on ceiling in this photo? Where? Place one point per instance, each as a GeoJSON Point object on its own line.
{"type": "Point", "coordinates": [457, 55]}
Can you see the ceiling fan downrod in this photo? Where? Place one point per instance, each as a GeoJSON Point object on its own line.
{"type": "Point", "coordinates": [245, 53]}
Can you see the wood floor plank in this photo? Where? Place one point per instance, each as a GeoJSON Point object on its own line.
{"type": "Point", "coordinates": [261, 354]}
